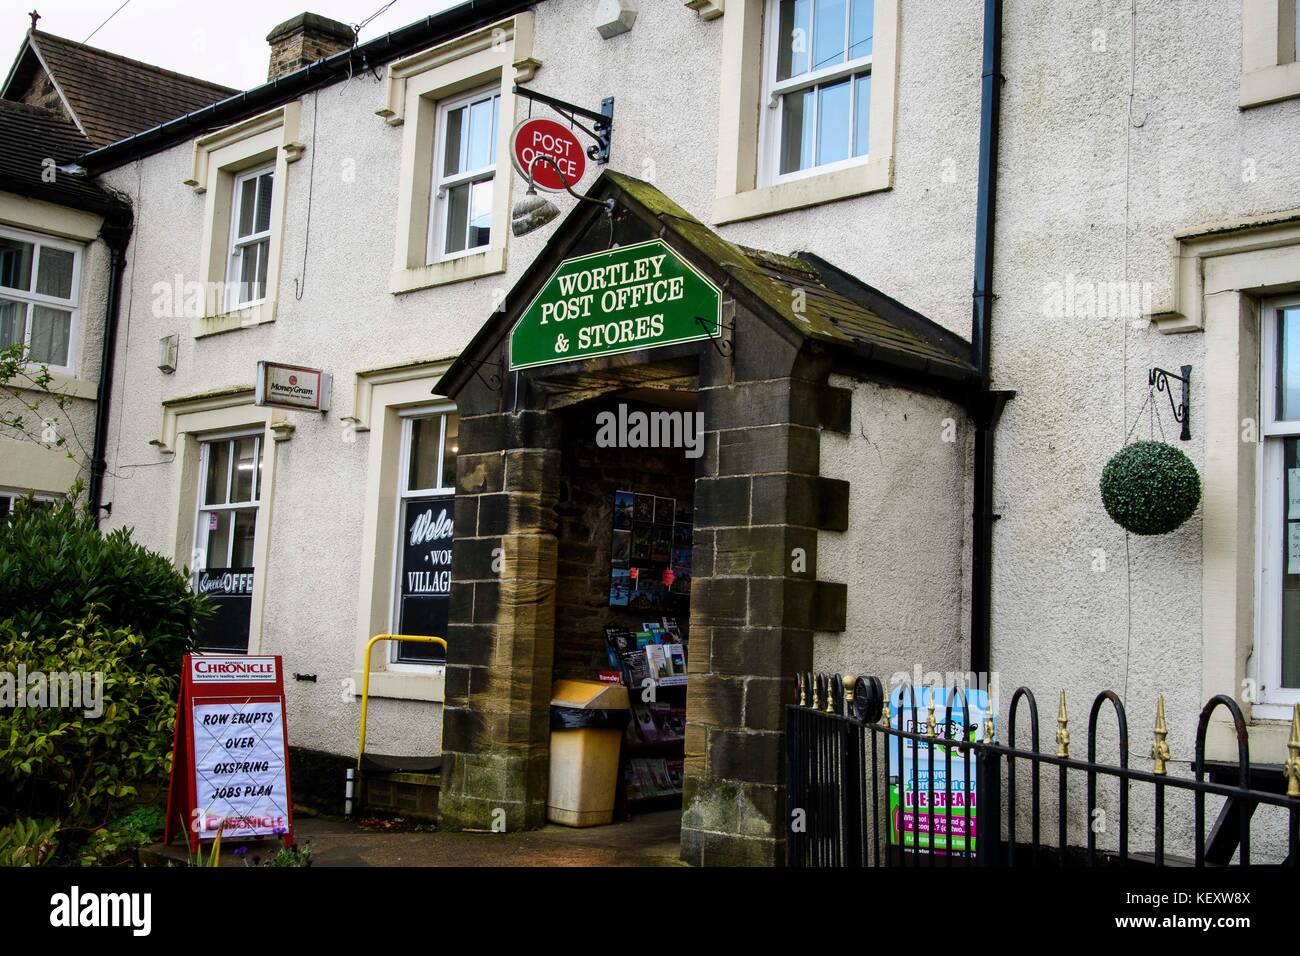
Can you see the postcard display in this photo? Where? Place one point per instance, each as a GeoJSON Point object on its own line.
{"type": "Point", "coordinates": [651, 573]}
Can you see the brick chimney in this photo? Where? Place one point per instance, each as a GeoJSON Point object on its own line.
{"type": "Point", "coordinates": [304, 39]}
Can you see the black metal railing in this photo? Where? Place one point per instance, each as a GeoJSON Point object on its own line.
{"type": "Point", "coordinates": [864, 786]}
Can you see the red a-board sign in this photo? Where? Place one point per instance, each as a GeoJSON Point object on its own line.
{"type": "Point", "coordinates": [545, 137]}
{"type": "Point", "coordinates": [230, 766]}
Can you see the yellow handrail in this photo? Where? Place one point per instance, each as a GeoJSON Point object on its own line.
{"type": "Point", "coordinates": [365, 681]}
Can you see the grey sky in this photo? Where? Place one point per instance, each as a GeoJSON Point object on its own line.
{"type": "Point", "coordinates": [222, 41]}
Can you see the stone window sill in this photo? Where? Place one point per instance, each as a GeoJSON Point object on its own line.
{"type": "Point", "coordinates": [258, 314]}
{"type": "Point", "coordinates": [1272, 84]}
{"type": "Point", "coordinates": [491, 261]}
{"type": "Point", "coordinates": [399, 685]}
{"type": "Point", "coordinates": [872, 176]}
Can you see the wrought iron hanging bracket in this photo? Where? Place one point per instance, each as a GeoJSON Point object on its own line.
{"type": "Point", "coordinates": [602, 123]}
{"type": "Point", "coordinates": [714, 332]}
{"type": "Point", "coordinates": [493, 381]}
{"type": "Point", "coordinates": [1158, 379]}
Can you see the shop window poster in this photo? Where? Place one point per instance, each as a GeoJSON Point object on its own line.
{"type": "Point", "coordinates": [621, 549]}
{"type": "Point", "coordinates": [624, 510]}
{"type": "Point", "coordinates": [665, 510]}
{"type": "Point", "coordinates": [949, 825]}
{"type": "Point", "coordinates": [620, 587]}
{"type": "Point", "coordinates": [642, 541]}
{"type": "Point", "coordinates": [661, 543]}
{"type": "Point", "coordinates": [644, 509]}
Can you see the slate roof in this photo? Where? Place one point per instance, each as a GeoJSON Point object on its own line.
{"type": "Point", "coordinates": [110, 96]}
{"type": "Point", "coordinates": [805, 294]}
{"type": "Point", "coordinates": [29, 136]}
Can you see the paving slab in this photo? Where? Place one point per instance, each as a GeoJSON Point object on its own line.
{"type": "Point", "coordinates": [649, 839]}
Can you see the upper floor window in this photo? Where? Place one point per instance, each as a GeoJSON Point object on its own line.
{"type": "Point", "coordinates": [39, 296]}
{"type": "Point", "coordinates": [1278, 644]}
{"type": "Point", "coordinates": [464, 175]}
{"type": "Point", "coordinates": [816, 86]}
{"type": "Point", "coordinates": [250, 237]}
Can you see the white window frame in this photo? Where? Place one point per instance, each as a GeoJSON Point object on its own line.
{"type": "Point", "coordinates": [205, 442]}
{"type": "Point", "coordinates": [1274, 700]}
{"type": "Point", "coordinates": [14, 495]}
{"type": "Point", "coordinates": [403, 495]}
{"type": "Point", "coordinates": [439, 195]}
{"type": "Point", "coordinates": [33, 298]}
{"type": "Point", "coordinates": [237, 244]}
{"type": "Point", "coordinates": [772, 113]}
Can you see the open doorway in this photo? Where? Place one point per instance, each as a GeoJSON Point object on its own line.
{"type": "Point", "coordinates": [622, 609]}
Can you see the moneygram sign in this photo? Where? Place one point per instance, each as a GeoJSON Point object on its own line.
{"type": "Point", "coordinates": [292, 386]}
{"type": "Point", "coordinates": [623, 300]}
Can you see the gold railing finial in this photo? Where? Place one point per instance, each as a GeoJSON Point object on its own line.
{"type": "Point", "coordinates": [803, 695]}
{"type": "Point", "coordinates": [884, 713]}
{"type": "Point", "coordinates": [1160, 746]}
{"type": "Point", "coordinates": [1062, 730]}
{"type": "Point", "coordinates": [816, 701]}
{"type": "Point", "coordinates": [930, 730]}
{"type": "Point", "coordinates": [848, 696]}
{"type": "Point", "coordinates": [830, 694]}
{"type": "Point", "coordinates": [1292, 769]}
{"type": "Point", "coordinates": [988, 727]}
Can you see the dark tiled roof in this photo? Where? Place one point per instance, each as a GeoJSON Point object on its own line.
{"type": "Point", "coordinates": [29, 136]}
{"type": "Point", "coordinates": [113, 96]}
{"type": "Point", "coordinates": [815, 298]}
{"type": "Point", "coordinates": [802, 295]}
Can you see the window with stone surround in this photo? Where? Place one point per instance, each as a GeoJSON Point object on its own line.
{"type": "Point", "coordinates": [1277, 649]}
{"type": "Point", "coordinates": [242, 173]}
{"type": "Point", "coordinates": [806, 114]}
{"type": "Point", "coordinates": [411, 461]}
{"type": "Point", "coordinates": [456, 106]}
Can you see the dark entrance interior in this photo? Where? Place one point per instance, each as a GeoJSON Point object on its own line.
{"type": "Point", "coordinates": [624, 530]}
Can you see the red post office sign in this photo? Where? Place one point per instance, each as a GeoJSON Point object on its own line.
{"type": "Point", "coordinates": [545, 137]}
{"type": "Point", "coordinates": [230, 767]}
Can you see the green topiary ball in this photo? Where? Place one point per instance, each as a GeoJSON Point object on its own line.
{"type": "Point", "coordinates": [1150, 487]}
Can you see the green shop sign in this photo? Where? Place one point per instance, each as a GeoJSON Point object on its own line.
{"type": "Point", "coordinates": [622, 300]}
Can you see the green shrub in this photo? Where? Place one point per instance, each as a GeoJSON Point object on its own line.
{"type": "Point", "coordinates": [147, 821]}
{"type": "Point", "coordinates": [55, 566]}
{"type": "Point", "coordinates": [1149, 487]}
{"type": "Point", "coordinates": [59, 762]}
{"type": "Point", "coordinates": [29, 843]}
{"type": "Point", "coordinates": [112, 846]}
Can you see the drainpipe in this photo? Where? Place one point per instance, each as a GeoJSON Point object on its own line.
{"type": "Point", "coordinates": [986, 404]}
{"type": "Point", "coordinates": [116, 233]}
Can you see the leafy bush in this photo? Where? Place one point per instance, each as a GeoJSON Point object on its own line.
{"type": "Point", "coordinates": [28, 843]}
{"type": "Point", "coordinates": [1149, 487]}
{"type": "Point", "coordinates": [60, 762]}
{"type": "Point", "coordinates": [147, 821]}
{"type": "Point", "coordinates": [111, 847]}
{"type": "Point", "coordinates": [119, 842]}
{"type": "Point", "coordinates": [55, 566]}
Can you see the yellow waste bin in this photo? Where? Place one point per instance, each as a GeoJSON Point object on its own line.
{"type": "Point", "coordinates": [587, 723]}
